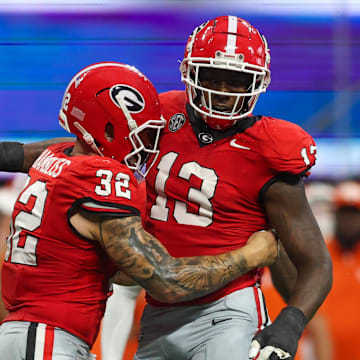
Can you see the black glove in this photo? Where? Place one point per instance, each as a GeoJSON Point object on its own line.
{"type": "Point", "coordinates": [280, 339]}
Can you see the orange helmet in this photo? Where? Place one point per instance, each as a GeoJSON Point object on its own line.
{"type": "Point", "coordinates": [347, 193]}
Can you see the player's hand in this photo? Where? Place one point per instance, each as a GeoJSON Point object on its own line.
{"type": "Point", "coordinates": [120, 278]}
{"type": "Point", "coordinates": [264, 248]}
{"type": "Point", "coordinates": [280, 339]}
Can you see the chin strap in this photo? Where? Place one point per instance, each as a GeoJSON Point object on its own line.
{"type": "Point", "coordinates": [131, 122]}
{"type": "Point", "coordinates": [89, 140]}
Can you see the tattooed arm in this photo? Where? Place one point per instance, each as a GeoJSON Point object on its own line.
{"type": "Point", "coordinates": [164, 277]}
{"type": "Point", "coordinates": [120, 278]}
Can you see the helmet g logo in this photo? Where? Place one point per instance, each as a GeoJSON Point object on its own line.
{"type": "Point", "coordinates": [133, 100]}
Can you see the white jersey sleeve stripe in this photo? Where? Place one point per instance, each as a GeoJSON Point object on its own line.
{"type": "Point", "coordinates": [94, 205]}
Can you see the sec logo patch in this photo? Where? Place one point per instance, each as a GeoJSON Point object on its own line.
{"type": "Point", "coordinates": [176, 122]}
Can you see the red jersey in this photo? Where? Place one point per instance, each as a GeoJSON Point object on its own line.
{"type": "Point", "coordinates": [204, 191]}
{"type": "Point", "coordinates": [51, 274]}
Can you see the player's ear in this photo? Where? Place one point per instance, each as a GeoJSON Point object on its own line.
{"type": "Point", "coordinates": [109, 132]}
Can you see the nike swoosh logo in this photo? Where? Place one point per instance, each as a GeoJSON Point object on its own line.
{"type": "Point", "coordinates": [235, 144]}
{"type": "Point", "coordinates": [215, 322]}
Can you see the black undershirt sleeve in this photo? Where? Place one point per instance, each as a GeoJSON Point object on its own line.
{"type": "Point", "coordinates": [11, 156]}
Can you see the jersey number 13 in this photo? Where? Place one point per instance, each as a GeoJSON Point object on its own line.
{"type": "Point", "coordinates": [201, 197]}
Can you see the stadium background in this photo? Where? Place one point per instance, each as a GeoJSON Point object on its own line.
{"type": "Point", "coordinates": [315, 48]}
{"type": "Point", "coordinates": [315, 61]}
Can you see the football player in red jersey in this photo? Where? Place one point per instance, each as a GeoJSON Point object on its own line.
{"type": "Point", "coordinates": [222, 174]}
{"type": "Point", "coordinates": [77, 221]}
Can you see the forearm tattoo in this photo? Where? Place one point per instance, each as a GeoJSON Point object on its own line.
{"type": "Point", "coordinates": [167, 278]}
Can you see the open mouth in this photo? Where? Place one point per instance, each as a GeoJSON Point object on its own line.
{"type": "Point", "coordinates": [222, 109]}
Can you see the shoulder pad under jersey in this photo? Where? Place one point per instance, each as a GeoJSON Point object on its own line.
{"type": "Point", "coordinates": [286, 147]}
{"type": "Point", "coordinates": [172, 102]}
{"type": "Point", "coordinates": [107, 186]}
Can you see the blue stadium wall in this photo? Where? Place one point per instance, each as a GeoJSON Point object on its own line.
{"type": "Point", "coordinates": [315, 62]}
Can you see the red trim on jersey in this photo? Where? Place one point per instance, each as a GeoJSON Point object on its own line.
{"type": "Point", "coordinates": [49, 342]}
{"type": "Point", "coordinates": [258, 308]}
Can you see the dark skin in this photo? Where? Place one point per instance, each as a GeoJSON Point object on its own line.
{"type": "Point", "coordinates": [146, 261]}
{"type": "Point", "coordinates": [224, 81]}
{"type": "Point", "coordinates": [289, 212]}
{"type": "Point", "coordinates": [304, 264]}
{"type": "Point", "coordinates": [283, 274]}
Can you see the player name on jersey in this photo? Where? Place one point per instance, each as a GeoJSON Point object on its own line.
{"type": "Point", "coordinates": [49, 164]}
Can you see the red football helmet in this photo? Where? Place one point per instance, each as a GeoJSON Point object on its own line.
{"type": "Point", "coordinates": [115, 109]}
{"type": "Point", "coordinates": [226, 43]}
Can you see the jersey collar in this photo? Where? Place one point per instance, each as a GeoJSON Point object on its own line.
{"type": "Point", "coordinates": [207, 135]}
